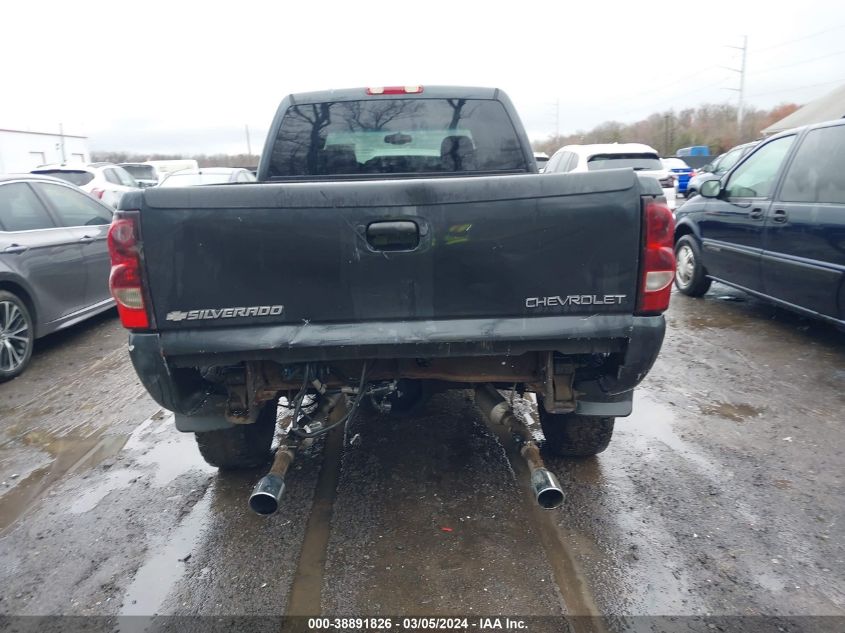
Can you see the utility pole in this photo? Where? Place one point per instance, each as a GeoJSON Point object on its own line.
{"type": "Point", "coordinates": [62, 141]}
{"type": "Point", "coordinates": [741, 90]}
{"type": "Point", "coordinates": [666, 146]}
{"type": "Point", "coordinates": [248, 144]}
{"type": "Point", "coordinates": [557, 118]}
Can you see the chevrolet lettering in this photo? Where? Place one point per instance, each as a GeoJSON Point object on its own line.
{"type": "Point", "coordinates": [574, 300]}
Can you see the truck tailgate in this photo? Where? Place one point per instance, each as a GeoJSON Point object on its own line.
{"type": "Point", "coordinates": [444, 248]}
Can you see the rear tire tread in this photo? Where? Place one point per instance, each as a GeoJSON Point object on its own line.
{"type": "Point", "coordinates": [242, 446]}
{"type": "Point", "coordinates": [570, 435]}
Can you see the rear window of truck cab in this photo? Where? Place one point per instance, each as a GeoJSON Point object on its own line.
{"type": "Point", "coordinates": [396, 136]}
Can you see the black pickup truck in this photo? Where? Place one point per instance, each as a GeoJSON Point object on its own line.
{"type": "Point", "coordinates": [398, 241]}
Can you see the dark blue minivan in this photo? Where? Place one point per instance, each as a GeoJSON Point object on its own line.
{"type": "Point", "coordinates": [773, 226]}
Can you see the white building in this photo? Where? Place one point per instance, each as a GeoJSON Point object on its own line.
{"type": "Point", "coordinates": [21, 151]}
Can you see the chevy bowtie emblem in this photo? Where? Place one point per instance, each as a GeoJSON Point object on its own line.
{"type": "Point", "coordinates": [177, 316]}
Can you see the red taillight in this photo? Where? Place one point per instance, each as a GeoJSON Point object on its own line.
{"type": "Point", "coordinates": [395, 90]}
{"type": "Point", "coordinates": [658, 263]}
{"type": "Point", "coordinates": [125, 282]}
{"type": "Point", "coordinates": [98, 193]}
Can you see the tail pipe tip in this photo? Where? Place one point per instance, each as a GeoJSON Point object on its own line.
{"type": "Point", "coordinates": [267, 494]}
{"type": "Point", "coordinates": [546, 489]}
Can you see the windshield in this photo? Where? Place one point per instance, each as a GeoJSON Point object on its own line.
{"type": "Point", "coordinates": [638, 161]}
{"type": "Point", "coordinates": [396, 136]}
{"type": "Point", "coordinates": [78, 178]}
{"type": "Point", "coordinates": [141, 172]}
{"type": "Point", "coordinates": [189, 180]}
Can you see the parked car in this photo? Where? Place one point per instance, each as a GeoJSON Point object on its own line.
{"type": "Point", "coordinates": [774, 225]}
{"type": "Point", "coordinates": [54, 263]}
{"type": "Point", "coordinates": [643, 159]}
{"type": "Point", "coordinates": [541, 159]}
{"type": "Point", "coordinates": [206, 176]}
{"type": "Point", "coordinates": [164, 167]}
{"type": "Point", "coordinates": [104, 181]}
{"type": "Point", "coordinates": [361, 265]}
{"type": "Point", "coordinates": [146, 175]}
{"type": "Point", "coordinates": [721, 165]}
{"type": "Point", "coordinates": [682, 172]}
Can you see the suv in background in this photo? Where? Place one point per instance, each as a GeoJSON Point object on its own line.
{"type": "Point", "coordinates": [643, 159]}
{"type": "Point", "coordinates": [721, 165]}
{"type": "Point", "coordinates": [104, 181]}
{"type": "Point", "coordinates": [145, 175]}
{"type": "Point", "coordinates": [774, 226]}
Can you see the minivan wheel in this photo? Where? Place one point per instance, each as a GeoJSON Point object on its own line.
{"type": "Point", "coordinates": [16, 336]}
{"type": "Point", "coordinates": [690, 277]}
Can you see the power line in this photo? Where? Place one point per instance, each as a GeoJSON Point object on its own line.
{"type": "Point", "coordinates": [796, 88]}
{"type": "Point", "coordinates": [806, 61]}
{"type": "Point", "coordinates": [799, 39]}
{"type": "Point", "coordinates": [673, 98]}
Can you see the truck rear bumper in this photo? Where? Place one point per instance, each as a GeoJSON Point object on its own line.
{"type": "Point", "coordinates": [159, 357]}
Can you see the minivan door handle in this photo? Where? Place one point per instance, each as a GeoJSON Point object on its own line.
{"type": "Point", "coordinates": [16, 248]}
{"type": "Point", "coordinates": [86, 239]}
{"type": "Point", "coordinates": [393, 235]}
{"type": "Point", "coordinates": [780, 216]}
{"type": "Point", "coordinates": [756, 214]}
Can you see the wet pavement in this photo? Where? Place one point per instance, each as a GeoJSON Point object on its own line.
{"type": "Point", "coordinates": [722, 494]}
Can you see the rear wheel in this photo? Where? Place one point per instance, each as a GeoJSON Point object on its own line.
{"type": "Point", "coordinates": [17, 335]}
{"type": "Point", "coordinates": [570, 435]}
{"type": "Point", "coordinates": [241, 446]}
{"type": "Point", "coordinates": [690, 277]}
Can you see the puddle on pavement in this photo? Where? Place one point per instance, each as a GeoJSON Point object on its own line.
{"type": "Point", "coordinates": [89, 499]}
{"type": "Point", "coordinates": [84, 449]}
{"type": "Point", "coordinates": [729, 411]}
{"type": "Point", "coordinates": [155, 578]}
{"type": "Point", "coordinates": [652, 420]}
{"type": "Point", "coordinates": [72, 454]}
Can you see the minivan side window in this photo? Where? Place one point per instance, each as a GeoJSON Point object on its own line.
{"type": "Point", "coordinates": [756, 176]}
{"type": "Point", "coordinates": [21, 210]}
{"type": "Point", "coordinates": [817, 174]}
{"type": "Point", "coordinates": [73, 207]}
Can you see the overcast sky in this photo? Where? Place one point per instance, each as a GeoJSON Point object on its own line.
{"type": "Point", "coordinates": [188, 76]}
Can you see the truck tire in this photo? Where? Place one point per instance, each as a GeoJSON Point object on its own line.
{"type": "Point", "coordinates": [570, 435]}
{"type": "Point", "coordinates": [690, 276]}
{"type": "Point", "coordinates": [17, 336]}
{"type": "Point", "coordinates": [241, 446]}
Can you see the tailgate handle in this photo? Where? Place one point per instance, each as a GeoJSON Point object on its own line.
{"type": "Point", "coordinates": [396, 235]}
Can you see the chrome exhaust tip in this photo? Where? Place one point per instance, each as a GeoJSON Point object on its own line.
{"type": "Point", "coordinates": [267, 494]}
{"type": "Point", "coordinates": [546, 489]}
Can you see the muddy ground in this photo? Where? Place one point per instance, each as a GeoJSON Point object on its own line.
{"type": "Point", "coordinates": [721, 495]}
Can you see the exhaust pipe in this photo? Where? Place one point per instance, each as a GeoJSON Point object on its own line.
{"type": "Point", "coordinates": [544, 484]}
{"type": "Point", "coordinates": [267, 494]}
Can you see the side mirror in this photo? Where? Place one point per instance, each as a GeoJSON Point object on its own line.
{"type": "Point", "coordinates": [711, 189]}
